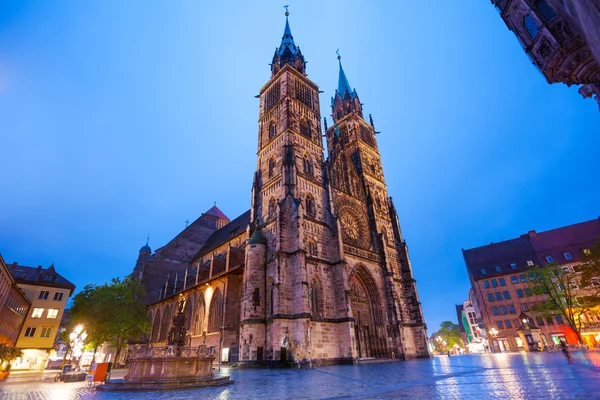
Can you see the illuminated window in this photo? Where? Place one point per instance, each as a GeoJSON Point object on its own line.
{"type": "Point", "coordinates": [37, 313]}
{"type": "Point", "coordinates": [530, 263]}
{"type": "Point", "coordinates": [52, 313]}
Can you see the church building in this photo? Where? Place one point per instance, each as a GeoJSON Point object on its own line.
{"type": "Point", "coordinates": [317, 271]}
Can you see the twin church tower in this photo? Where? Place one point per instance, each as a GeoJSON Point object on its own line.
{"type": "Point", "coordinates": [317, 270]}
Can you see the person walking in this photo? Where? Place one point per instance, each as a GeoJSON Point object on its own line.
{"type": "Point", "coordinates": [565, 349]}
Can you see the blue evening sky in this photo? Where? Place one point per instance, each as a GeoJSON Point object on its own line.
{"type": "Point", "coordinates": [122, 119]}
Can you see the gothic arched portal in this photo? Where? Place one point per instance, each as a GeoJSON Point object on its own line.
{"type": "Point", "coordinates": [369, 329]}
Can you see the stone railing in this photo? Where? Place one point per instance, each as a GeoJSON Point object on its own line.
{"type": "Point", "coordinates": [145, 351]}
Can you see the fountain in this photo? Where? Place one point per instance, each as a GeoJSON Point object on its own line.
{"type": "Point", "coordinates": [172, 367]}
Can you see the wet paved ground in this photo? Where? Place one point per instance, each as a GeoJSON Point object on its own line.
{"type": "Point", "coordinates": [508, 376]}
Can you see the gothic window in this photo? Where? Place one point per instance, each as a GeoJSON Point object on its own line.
{"type": "Point", "coordinates": [316, 297]}
{"type": "Point", "coordinates": [165, 324]}
{"type": "Point", "coordinates": [545, 9]}
{"type": "Point", "coordinates": [339, 114]}
{"type": "Point", "coordinates": [215, 312]}
{"type": "Point", "coordinates": [272, 207]}
{"type": "Point", "coordinates": [312, 248]}
{"type": "Point", "coordinates": [272, 299]}
{"type": "Point", "coordinates": [310, 205]}
{"type": "Point", "coordinates": [531, 26]}
{"type": "Point", "coordinates": [155, 326]}
{"type": "Point", "coordinates": [271, 130]}
{"type": "Point", "coordinates": [305, 128]}
{"type": "Point", "coordinates": [271, 167]}
{"type": "Point", "coordinates": [303, 93]}
{"type": "Point", "coordinates": [256, 297]}
{"type": "Point", "coordinates": [272, 96]}
{"type": "Point", "coordinates": [199, 318]}
{"type": "Point", "coordinates": [308, 165]}
{"type": "Point", "coordinates": [367, 136]}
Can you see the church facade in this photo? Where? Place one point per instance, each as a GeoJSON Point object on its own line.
{"type": "Point", "coordinates": [317, 271]}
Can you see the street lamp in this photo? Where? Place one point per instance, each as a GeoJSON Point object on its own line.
{"type": "Point", "coordinates": [493, 334]}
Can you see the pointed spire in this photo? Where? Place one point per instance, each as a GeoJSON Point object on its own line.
{"type": "Point", "coordinates": [287, 41]}
{"type": "Point", "coordinates": [343, 84]}
{"type": "Point", "coordinates": [287, 52]}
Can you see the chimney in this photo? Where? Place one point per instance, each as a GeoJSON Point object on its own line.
{"type": "Point", "coordinates": [532, 233]}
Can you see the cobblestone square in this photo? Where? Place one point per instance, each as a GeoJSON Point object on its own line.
{"type": "Point", "coordinates": [508, 376]}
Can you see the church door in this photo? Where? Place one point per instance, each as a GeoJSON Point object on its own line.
{"type": "Point", "coordinates": [363, 319]}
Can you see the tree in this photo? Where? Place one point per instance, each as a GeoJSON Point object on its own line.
{"type": "Point", "coordinates": [450, 333]}
{"type": "Point", "coordinates": [7, 355]}
{"type": "Point", "coordinates": [565, 294]}
{"type": "Point", "coordinates": [111, 313]}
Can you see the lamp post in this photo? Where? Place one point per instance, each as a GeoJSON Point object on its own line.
{"type": "Point", "coordinates": [493, 333]}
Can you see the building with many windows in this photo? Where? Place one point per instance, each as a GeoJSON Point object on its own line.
{"type": "Point", "coordinates": [317, 271]}
{"type": "Point", "coordinates": [500, 274]}
{"type": "Point", "coordinates": [14, 307]}
{"type": "Point", "coordinates": [561, 37]}
{"type": "Point", "coordinates": [48, 292]}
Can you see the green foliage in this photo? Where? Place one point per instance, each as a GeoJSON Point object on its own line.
{"type": "Point", "coordinates": [111, 313]}
{"type": "Point", "coordinates": [450, 333]}
{"type": "Point", "coordinates": [568, 294]}
{"type": "Point", "coordinates": [8, 354]}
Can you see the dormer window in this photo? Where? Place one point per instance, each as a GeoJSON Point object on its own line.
{"type": "Point", "coordinates": [48, 278]}
{"type": "Point", "coordinates": [20, 274]}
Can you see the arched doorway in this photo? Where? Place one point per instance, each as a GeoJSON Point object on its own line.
{"type": "Point", "coordinates": [364, 299]}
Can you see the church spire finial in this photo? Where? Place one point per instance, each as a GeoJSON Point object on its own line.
{"type": "Point", "coordinates": [343, 84]}
{"type": "Point", "coordinates": [288, 52]}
